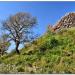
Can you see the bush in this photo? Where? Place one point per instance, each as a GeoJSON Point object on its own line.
{"type": "Point", "coordinates": [49, 44]}
{"type": "Point", "coordinates": [52, 43]}
{"type": "Point", "coordinates": [20, 69]}
{"type": "Point", "coordinates": [43, 47]}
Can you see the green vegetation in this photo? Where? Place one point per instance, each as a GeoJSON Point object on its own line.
{"type": "Point", "coordinates": [50, 53]}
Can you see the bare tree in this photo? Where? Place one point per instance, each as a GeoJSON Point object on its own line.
{"type": "Point", "coordinates": [19, 27]}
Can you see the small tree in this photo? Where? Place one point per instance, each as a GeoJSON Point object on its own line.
{"type": "Point", "coordinates": [4, 44]}
{"type": "Point", "coordinates": [19, 27]}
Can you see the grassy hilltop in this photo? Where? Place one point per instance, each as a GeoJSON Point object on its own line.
{"type": "Point", "coordinates": [51, 53]}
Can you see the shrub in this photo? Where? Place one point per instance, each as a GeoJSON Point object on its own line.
{"type": "Point", "coordinates": [20, 69]}
{"type": "Point", "coordinates": [43, 47]}
{"type": "Point", "coordinates": [49, 44]}
{"type": "Point", "coordinates": [52, 43]}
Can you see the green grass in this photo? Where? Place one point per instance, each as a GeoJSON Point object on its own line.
{"type": "Point", "coordinates": [51, 53]}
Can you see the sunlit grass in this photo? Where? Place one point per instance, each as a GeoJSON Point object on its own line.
{"type": "Point", "coordinates": [51, 53]}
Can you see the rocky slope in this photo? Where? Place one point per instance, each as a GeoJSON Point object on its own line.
{"type": "Point", "coordinates": [66, 21]}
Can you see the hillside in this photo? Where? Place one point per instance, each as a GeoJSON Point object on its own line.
{"type": "Point", "coordinates": [51, 53]}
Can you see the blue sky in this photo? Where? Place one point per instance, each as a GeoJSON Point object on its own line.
{"type": "Point", "coordinates": [46, 12]}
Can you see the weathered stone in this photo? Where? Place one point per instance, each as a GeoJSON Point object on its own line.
{"type": "Point", "coordinates": [67, 21]}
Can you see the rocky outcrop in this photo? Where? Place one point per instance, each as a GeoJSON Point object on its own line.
{"type": "Point", "coordinates": [65, 22]}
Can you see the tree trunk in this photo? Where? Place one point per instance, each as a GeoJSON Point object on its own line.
{"type": "Point", "coordinates": [17, 45]}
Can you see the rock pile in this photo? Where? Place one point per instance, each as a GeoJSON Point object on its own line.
{"type": "Point", "coordinates": [65, 22]}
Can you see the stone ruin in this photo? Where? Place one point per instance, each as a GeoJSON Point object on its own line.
{"type": "Point", "coordinates": [67, 21]}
